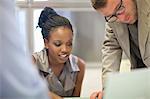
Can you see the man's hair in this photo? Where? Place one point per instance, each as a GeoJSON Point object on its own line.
{"type": "Point", "coordinates": [98, 3]}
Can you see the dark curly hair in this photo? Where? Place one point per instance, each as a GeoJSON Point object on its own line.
{"type": "Point", "coordinates": [49, 20]}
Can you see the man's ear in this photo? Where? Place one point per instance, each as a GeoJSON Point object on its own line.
{"type": "Point", "coordinates": [46, 43]}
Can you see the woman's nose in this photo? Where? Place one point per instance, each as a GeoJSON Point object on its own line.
{"type": "Point", "coordinates": [64, 48]}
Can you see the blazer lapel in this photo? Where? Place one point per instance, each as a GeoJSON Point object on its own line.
{"type": "Point", "coordinates": [123, 37]}
{"type": "Point", "coordinates": [143, 13]}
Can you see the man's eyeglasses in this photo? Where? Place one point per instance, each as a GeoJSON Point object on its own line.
{"type": "Point", "coordinates": [114, 16]}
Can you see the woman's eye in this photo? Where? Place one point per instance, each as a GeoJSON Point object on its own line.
{"type": "Point", "coordinates": [70, 44]}
{"type": "Point", "coordinates": [57, 44]}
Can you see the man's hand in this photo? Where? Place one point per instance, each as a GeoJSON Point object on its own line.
{"type": "Point", "coordinates": [54, 96]}
{"type": "Point", "coordinates": [96, 95]}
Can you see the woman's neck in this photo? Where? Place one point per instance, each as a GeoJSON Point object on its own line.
{"type": "Point", "coordinates": [56, 67]}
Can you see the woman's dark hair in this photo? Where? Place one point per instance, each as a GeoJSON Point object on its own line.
{"type": "Point", "coordinates": [49, 20]}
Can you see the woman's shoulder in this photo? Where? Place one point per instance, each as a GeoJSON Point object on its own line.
{"type": "Point", "coordinates": [41, 60]}
{"type": "Point", "coordinates": [40, 55]}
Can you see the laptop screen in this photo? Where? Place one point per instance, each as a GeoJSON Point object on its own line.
{"type": "Point", "coordinates": [131, 85]}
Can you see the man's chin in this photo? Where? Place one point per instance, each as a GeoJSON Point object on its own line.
{"type": "Point", "coordinates": [132, 21]}
{"type": "Point", "coordinates": [129, 22]}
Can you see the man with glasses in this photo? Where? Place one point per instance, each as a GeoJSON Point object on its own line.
{"type": "Point", "coordinates": [128, 30]}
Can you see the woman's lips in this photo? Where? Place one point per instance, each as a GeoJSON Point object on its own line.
{"type": "Point", "coordinates": [64, 57]}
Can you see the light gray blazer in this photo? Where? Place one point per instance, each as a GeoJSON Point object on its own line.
{"type": "Point", "coordinates": [117, 40]}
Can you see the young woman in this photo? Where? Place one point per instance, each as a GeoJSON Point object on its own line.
{"type": "Point", "coordinates": [63, 71]}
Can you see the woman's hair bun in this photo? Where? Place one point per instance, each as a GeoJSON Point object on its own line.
{"type": "Point", "coordinates": [45, 15]}
{"type": "Point", "coordinates": [49, 20]}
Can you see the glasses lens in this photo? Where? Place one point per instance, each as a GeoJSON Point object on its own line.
{"type": "Point", "coordinates": [120, 10]}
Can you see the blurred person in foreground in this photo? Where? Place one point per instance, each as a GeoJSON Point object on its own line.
{"type": "Point", "coordinates": [127, 29]}
{"type": "Point", "coordinates": [62, 70]}
{"type": "Point", "coordinates": [19, 79]}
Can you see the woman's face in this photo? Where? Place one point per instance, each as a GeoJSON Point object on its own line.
{"type": "Point", "coordinates": [59, 45]}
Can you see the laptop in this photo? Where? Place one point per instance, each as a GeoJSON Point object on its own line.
{"type": "Point", "coordinates": [131, 85]}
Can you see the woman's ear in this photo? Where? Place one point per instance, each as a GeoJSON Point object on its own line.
{"type": "Point", "coordinates": [46, 43]}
